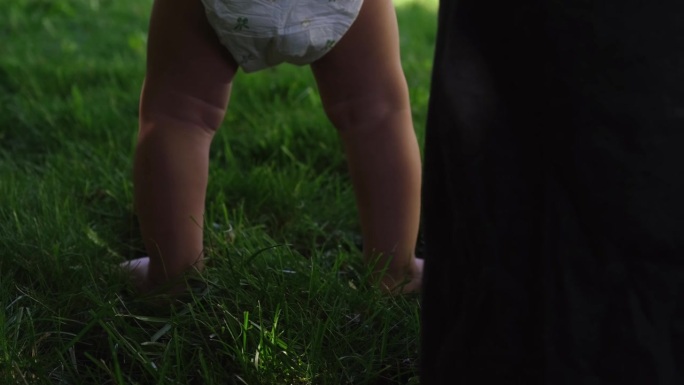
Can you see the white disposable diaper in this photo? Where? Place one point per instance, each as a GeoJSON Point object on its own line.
{"type": "Point", "coordinates": [264, 33]}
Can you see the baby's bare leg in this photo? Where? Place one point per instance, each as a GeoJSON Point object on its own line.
{"type": "Point", "coordinates": [183, 102]}
{"type": "Point", "coordinates": [365, 95]}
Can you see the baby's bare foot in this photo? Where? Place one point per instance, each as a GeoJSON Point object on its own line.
{"type": "Point", "coordinates": [139, 273]}
{"type": "Point", "coordinates": [404, 282]}
{"type": "Point", "coordinates": [139, 270]}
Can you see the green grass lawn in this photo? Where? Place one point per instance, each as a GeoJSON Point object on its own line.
{"type": "Point", "coordinates": [284, 300]}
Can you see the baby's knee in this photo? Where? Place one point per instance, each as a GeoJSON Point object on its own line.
{"type": "Point", "coordinates": [362, 111]}
{"type": "Point", "coordinates": [167, 106]}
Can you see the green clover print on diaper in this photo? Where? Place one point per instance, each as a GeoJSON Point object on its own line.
{"type": "Point", "coordinates": [242, 23]}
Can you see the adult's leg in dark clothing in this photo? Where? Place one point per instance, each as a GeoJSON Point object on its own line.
{"type": "Point", "coordinates": [553, 218]}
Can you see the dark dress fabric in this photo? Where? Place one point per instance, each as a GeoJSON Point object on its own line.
{"type": "Point", "coordinates": [554, 194]}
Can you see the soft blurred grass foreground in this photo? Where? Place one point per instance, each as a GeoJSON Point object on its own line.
{"type": "Point", "coordinates": [284, 300]}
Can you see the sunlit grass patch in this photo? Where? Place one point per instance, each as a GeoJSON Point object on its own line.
{"type": "Point", "coordinates": [428, 4]}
